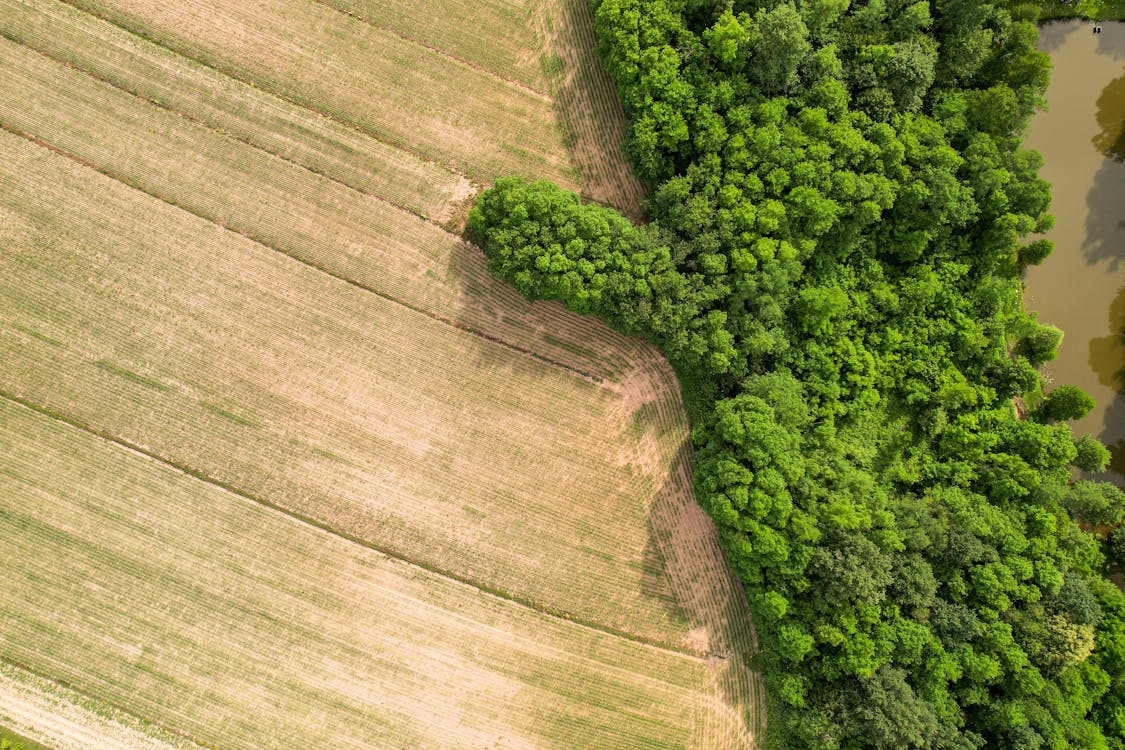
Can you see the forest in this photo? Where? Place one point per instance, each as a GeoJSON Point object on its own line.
{"type": "Point", "coordinates": [840, 208]}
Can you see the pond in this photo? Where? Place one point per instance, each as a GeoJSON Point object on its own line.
{"type": "Point", "coordinates": [1081, 287]}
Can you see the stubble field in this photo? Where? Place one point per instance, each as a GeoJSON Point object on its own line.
{"type": "Point", "coordinates": [281, 461]}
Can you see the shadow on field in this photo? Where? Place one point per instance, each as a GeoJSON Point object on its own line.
{"type": "Point", "coordinates": [706, 595]}
{"type": "Point", "coordinates": [589, 109]}
{"type": "Point", "coordinates": [687, 591]}
{"type": "Point", "coordinates": [496, 310]}
{"type": "Point", "coordinates": [660, 554]}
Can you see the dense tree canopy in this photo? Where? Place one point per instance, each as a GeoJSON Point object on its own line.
{"type": "Point", "coordinates": [839, 201]}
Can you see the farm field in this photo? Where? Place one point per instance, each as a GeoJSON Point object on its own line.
{"type": "Point", "coordinates": [406, 94]}
{"type": "Point", "coordinates": [376, 652]}
{"type": "Point", "coordinates": [228, 293]}
{"type": "Point", "coordinates": [64, 718]}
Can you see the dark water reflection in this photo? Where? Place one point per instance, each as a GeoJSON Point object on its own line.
{"type": "Point", "coordinates": [1111, 118]}
{"type": "Point", "coordinates": [1081, 287]}
{"type": "Point", "coordinates": [1107, 358]}
{"type": "Point", "coordinates": [1107, 354]}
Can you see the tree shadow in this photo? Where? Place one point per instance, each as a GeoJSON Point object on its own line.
{"type": "Point", "coordinates": [1114, 415]}
{"type": "Point", "coordinates": [1111, 41]}
{"type": "Point", "coordinates": [684, 574]}
{"type": "Point", "coordinates": [1107, 359]}
{"type": "Point", "coordinates": [684, 545]}
{"type": "Point", "coordinates": [1107, 354]}
{"type": "Point", "coordinates": [684, 579]}
{"type": "Point", "coordinates": [589, 109]}
{"type": "Point", "coordinates": [1053, 33]}
{"type": "Point", "coordinates": [1105, 217]}
{"type": "Point", "coordinates": [1111, 119]}
{"type": "Point", "coordinates": [545, 330]}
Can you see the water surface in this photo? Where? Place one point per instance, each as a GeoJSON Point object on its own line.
{"type": "Point", "coordinates": [1081, 286]}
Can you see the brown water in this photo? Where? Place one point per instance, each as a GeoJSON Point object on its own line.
{"type": "Point", "coordinates": [1081, 286]}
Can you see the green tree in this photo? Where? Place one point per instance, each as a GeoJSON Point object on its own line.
{"type": "Point", "coordinates": [1034, 253]}
{"type": "Point", "coordinates": [910, 72]}
{"type": "Point", "coordinates": [1065, 402]}
{"type": "Point", "coordinates": [885, 712]}
{"type": "Point", "coordinates": [1041, 344]}
{"type": "Point", "coordinates": [1076, 601]}
{"type": "Point", "coordinates": [1117, 545]}
{"type": "Point", "coordinates": [1095, 502]}
{"type": "Point", "coordinates": [1065, 644]}
{"type": "Point", "coordinates": [728, 40]}
{"type": "Point", "coordinates": [1091, 456]}
{"type": "Point", "coordinates": [780, 44]}
{"type": "Point", "coordinates": [849, 569]}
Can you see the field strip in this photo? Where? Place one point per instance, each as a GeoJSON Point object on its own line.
{"type": "Point", "coordinates": [121, 442]}
{"type": "Point", "coordinates": [342, 6]}
{"type": "Point", "coordinates": [701, 580]}
{"type": "Point", "coordinates": [315, 266]}
{"type": "Point", "coordinates": [61, 718]}
{"type": "Point", "coordinates": [329, 400]}
{"type": "Point", "coordinates": [442, 209]}
{"type": "Point", "coordinates": [512, 48]}
{"type": "Point", "coordinates": [194, 91]}
{"type": "Point", "coordinates": [588, 105]}
{"type": "Point", "coordinates": [559, 54]}
{"type": "Point", "coordinates": [321, 641]}
{"type": "Point", "coordinates": [341, 67]}
{"type": "Point", "coordinates": [86, 22]}
{"type": "Point", "coordinates": [285, 208]}
{"type": "Point", "coordinates": [588, 102]}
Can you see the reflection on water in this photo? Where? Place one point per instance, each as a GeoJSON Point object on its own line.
{"type": "Point", "coordinates": [1081, 287]}
{"type": "Point", "coordinates": [1111, 117]}
{"type": "Point", "coordinates": [1107, 354]}
{"type": "Point", "coordinates": [1104, 240]}
{"type": "Point", "coordinates": [1107, 358]}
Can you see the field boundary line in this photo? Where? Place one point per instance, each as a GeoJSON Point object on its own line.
{"type": "Point", "coordinates": [235, 136]}
{"type": "Point", "coordinates": [542, 95]}
{"type": "Point", "coordinates": [309, 521]}
{"type": "Point", "coordinates": [463, 327]}
{"type": "Point", "coordinates": [217, 68]}
{"type": "Point", "coordinates": [66, 685]}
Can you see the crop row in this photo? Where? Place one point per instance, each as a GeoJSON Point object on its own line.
{"type": "Point", "coordinates": [192, 605]}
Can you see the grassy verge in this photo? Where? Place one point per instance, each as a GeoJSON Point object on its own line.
{"type": "Point", "coordinates": [9, 740]}
{"type": "Point", "coordinates": [1053, 10]}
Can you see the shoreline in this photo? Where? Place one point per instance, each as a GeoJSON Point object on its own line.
{"type": "Point", "coordinates": [1056, 10]}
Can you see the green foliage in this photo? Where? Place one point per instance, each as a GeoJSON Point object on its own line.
{"type": "Point", "coordinates": [11, 741]}
{"type": "Point", "coordinates": [778, 45]}
{"type": "Point", "coordinates": [840, 203]}
{"type": "Point", "coordinates": [1034, 253]}
{"type": "Point", "coordinates": [1041, 344]}
{"type": "Point", "coordinates": [1091, 455]}
{"type": "Point", "coordinates": [1095, 502]}
{"type": "Point", "coordinates": [1117, 545]}
{"type": "Point", "coordinates": [1077, 602]}
{"type": "Point", "coordinates": [1103, 10]}
{"type": "Point", "coordinates": [1065, 402]}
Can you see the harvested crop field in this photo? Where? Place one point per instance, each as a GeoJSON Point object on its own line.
{"type": "Point", "coordinates": [281, 462]}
